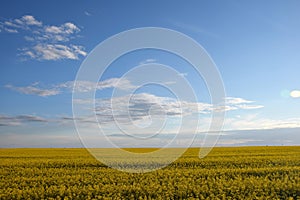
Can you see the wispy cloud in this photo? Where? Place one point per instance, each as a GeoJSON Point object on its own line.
{"type": "Point", "coordinates": [139, 113]}
{"type": "Point", "coordinates": [140, 107]}
{"type": "Point", "coordinates": [234, 103]}
{"type": "Point", "coordinates": [235, 100]}
{"type": "Point", "coordinates": [6, 120]}
{"type": "Point", "coordinates": [10, 30]}
{"type": "Point", "coordinates": [255, 122]}
{"type": "Point", "coordinates": [86, 86]}
{"type": "Point", "coordinates": [183, 74]}
{"type": "Point", "coordinates": [249, 107]}
{"type": "Point", "coordinates": [87, 13]}
{"type": "Point", "coordinates": [34, 90]}
{"type": "Point", "coordinates": [79, 86]}
{"type": "Point", "coordinates": [149, 60]}
{"type": "Point", "coordinates": [231, 142]}
{"type": "Point", "coordinates": [194, 28]}
{"type": "Point", "coordinates": [47, 42]}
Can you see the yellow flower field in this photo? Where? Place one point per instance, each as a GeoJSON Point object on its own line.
{"type": "Point", "coordinates": [226, 173]}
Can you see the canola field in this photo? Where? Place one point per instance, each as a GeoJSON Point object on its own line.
{"type": "Point", "coordinates": [226, 173]}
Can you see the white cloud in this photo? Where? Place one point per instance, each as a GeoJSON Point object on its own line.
{"type": "Point", "coordinates": [33, 90]}
{"type": "Point", "coordinates": [25, 23]}
{"type": "Point", "coordinates": [225, 142]}
{"type": "Point", "coordinates": [6, 120]}
{"type": "Point", "coordinates": [121, 83]}
{"type": "Point", "coordinates": [60, 33]}
{"type": "Point", "coordinates": [28, 38]}
{"type": "Point", "coordinates": [149, 60]}
{"type": "Point", "coordinates": [9, 30]}
{"type": "Point", "coordinates": [248, 107]}
{"type": "Point", "coordinates": [80, 86]}
{"type": "Point", "coordinates": [254, 122]}
{"type": "Point", "coordinates": [140, 109]}
{"type": "Point", "coordinates": [145, 105]}
{"type": "Point", "coordinates": [54, 52]}
{"type": "Point", "coordinates": [67, 28]}
{"type": "Point", "coordinates": [86, 86]}
{"type": "Point", "coordinates": [233, 103]}
{"type": "Point", "coordinates": [11, 24]}
{"type": "Point", "coordinates": [234, 100]}
{"type": "Point", "coordinates": [47, 42]}
{"type": "Point", "coordinates": [139, 115]}
{"type": "Point", "coordinates": [183, 74]}
{"type": "Point", "coordinates": [136, 107]}
{"type": "Point", "coordinates": [87, 13]}
{"type": "Point", "coordinates": [28, 20]}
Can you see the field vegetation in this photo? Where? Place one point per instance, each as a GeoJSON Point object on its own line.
{"type": "Point", "coordinates": [226, 173]}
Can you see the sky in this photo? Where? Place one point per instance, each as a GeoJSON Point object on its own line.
{"type": "Point", "coordinates": [255, 46]}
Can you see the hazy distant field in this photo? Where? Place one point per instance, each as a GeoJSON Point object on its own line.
{"type": "Point", "coordinates": [226, 173]}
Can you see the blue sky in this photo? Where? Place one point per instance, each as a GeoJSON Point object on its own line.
{"type": "Point", "coordinates": [254, 44]}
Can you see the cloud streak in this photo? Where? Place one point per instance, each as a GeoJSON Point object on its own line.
{"type": "Point", "coordinates": [86, 86]}
{"type": "Point", "coordinates": [79, 86]}
{"type": "Point", "coordinates": [194, 28]}
{"type": "Point", "coordinates": [234, 103]}
{"type": "Point", "coordinates": [87, 13]}
{"type": "Point", "coordinates": [34, 90]}
{"type": "Point", "coordinates": [6, 120]}
{"type": "Point", "coordinates": [254, 122]}
{"type": "Point", "coordinates": [147, 61]}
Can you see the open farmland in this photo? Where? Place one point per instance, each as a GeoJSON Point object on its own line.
{"type": "Point", "coordinates": [226, 173]}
